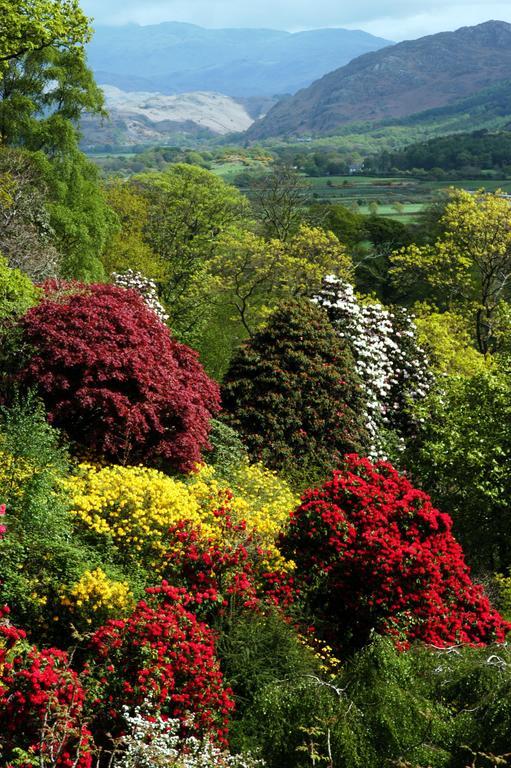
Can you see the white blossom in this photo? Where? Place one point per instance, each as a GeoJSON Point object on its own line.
{"type": "Point", "coordinates": [136, 281]}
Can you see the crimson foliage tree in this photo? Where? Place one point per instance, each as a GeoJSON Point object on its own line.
{"type": "Point", "coordinates": [160, 657]}
{"type": "Point", "coordinates": [373, 554]}
{"type": "Point", "coordinates": [292, 393]}
{"type": "Point", "coordinates": [115, 380]}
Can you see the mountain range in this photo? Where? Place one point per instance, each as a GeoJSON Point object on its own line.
{"type": "Point", "coordinates": [172, 58]}
{"type": "Point", "coordinates": [396, 82]}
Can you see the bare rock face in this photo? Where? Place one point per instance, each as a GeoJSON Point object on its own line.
{"type": "Point", "coordinates": [396, 82]}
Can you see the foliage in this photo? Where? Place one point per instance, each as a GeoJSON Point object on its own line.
{"type": "Point", "coordinates": [471, 264]}
{"type": "Point", "coordinates": [462, 457]}
{"type": "Point", "coordinates": [41, 707]}
{"type": "Point", "coordinates": [188, 209]}
{"type": "Point", "coordinates": [256, 274]}
{"type": "Point", "coordinates": [388, 359]}
{"type": "Point", "coordinates": [227, 450]}
{"type": "Point", "coordinates": [446, 340]}
{"type": "Point", "coordinates": [26, 233]}
{"type": "Point", "coordinates": [373, 554]}
{"type": "Point", "coordinates": [278, 199]}
{"type": "Point", "coordinates": [17, 292]}
{"type": "Point", "coordinates": [112, 376]}
{"type": "Point", "coordinates": [159, 655]}
{"type": "Point", "coordinates": [128, 249]}
{"type": "Point", "coordinates": [293, 395]}
{"type": "Point", "coordinates": [33, 26]}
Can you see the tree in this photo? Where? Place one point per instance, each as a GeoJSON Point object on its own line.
{"type": "Point", "coordinates": [292, 393]}
{"type": "Point", "coordinates": [256, 274]}
{"type": "Point", "coordinates": [114, 379]}
{"type": "Point", "coordinates": [35, 25]}
{"type": "Point", "coordinates": [127, 248]}
{"type": "Point", "coordinates": [188, 210]}
{"type": "Point", "coordinates": [26, 235]}
{"type": "Point", "coordinates": [372, 554]}
{"type": "Point", "coordinates": [279, 199]}
{"type": "Point", "coordinates": [470, 265]}
{"type": "Point", "coordinates": [462, 458]}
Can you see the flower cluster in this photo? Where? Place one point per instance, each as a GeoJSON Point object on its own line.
{"type": "Point", "coordinates": [161, 653]}
{"type": "Point", "coordinates": [154, 741]}
{"type": "Point", "coordinates": [390, 362]}
{"type": "Point", "coordinates": [133, 507]}
{"type": "Point", "coordinates": [3, 528]}
{"type": "Point", "coordinates": [112, 376]}
{"type": "Point", "coordinates": [375, 555]}
{"type": "Point", "coordinates": [136, 281]}
{"type": "Point", "coordinates": [94, 598]}
{"type": "Point", "coordinates": [41, 706]}
{"type": "Point", "coordinates": [231, 568]}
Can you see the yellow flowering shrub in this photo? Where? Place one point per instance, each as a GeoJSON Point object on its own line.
{"type": "Point", "coordinates": [132, 507]}
{"type": "Point", "coordinates": [95, 598]}
{"type": "Point", "coordinates": [14, 474]}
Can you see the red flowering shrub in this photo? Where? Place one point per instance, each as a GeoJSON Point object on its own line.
{"type": "Point", "coordinates": [115, 380]}
{"type": "Point", "coordinates": [162, 657]}
{"type": "Point", "coordinates": [233, 569]}
{"type": "Point", "coordinates": [2, 527]}
{"type": "Point", "coordinates": [41, 706]}
{"type": "Point", "coordinates": [372, 553]}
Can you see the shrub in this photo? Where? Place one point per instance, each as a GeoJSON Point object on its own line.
{"type": "Point", "coordinates": [227, 450]}
{"type": "Point", "coordinates": [95, 598]}
{"type": "Point", "coordinates": [160, 655]}
{"type": "Point", "coordinates": [392, 366]}
{"type": "Point", "coordinates": [115, 380]}
{"type": "Point", "coordinates": [373, 554]}
{"type": "Point", "coordinates": [17, 292]}
{"type": "Point", "coordinates": [292, 393]}
{"type": "Point", "coordinates": [41, 706]}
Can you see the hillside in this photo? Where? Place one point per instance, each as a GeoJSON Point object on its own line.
{"type": "Point", "coordinates": [396, 82]}
{"type": "Point", "coordinates": [177, 58]}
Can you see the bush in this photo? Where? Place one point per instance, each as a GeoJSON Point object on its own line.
{"type": "Point", "coordinates": [41, 706]}
{"type": "Point", "coordinates": [373, 554]}
{"type": "Point", "coordinates": [292, 393]}
{"type": "Point", "coordinates": [160, 657]}
{"type": "Point", "coordinates": [115, 380]}
{"type": "Point", "coordinates": [17, 292]}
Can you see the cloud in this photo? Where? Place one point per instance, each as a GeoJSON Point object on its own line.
{"type": "Point", "coordinates": [396, 19]}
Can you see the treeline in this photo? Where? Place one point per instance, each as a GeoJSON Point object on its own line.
{"type": "Point", "coordinates": [455, 156]}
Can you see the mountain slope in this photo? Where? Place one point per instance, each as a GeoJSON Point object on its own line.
{"type": "Point", "coordinates": [396, 82]}
{"type": "Point", "coordinates": [177, 58]}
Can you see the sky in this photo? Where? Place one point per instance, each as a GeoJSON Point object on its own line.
{"type": "Point", "coordinates": [392, 19]}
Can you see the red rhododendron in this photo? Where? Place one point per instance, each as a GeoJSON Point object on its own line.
{"type": "Point", "coordinates": [41, 705]}
{"type": "Point", "coordinates": [115, 380]}
{"type": "Point", "coordinates": [161, 657]}
{"type": "Point", "coordinates": [372, 553]}
{"type": "Point", "coordinates": [227, 571]}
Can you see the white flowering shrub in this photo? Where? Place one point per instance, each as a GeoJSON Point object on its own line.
{"type": "Point", "coordinates": [157, 743]}
{"type": "Point", "coordinates": [136, 281]}
{"type": "Point", "coordinates": [392, 366]}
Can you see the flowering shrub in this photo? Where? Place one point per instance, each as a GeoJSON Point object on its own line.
{"type": "Point", "coordinates": [232, 568]}
{"type": "Point", "coordinates": [391, 364]}
{"type": "Point", "coordinates": [115, 380]}
{"type": "Point", "coordinates": [162, 654]}
{"type": "Point", "coordinates": [292, 392]}
{"type": "Point", "coordinates": [132, 507]}
{"type": "Point", "coordinates": [3, 528]}
{"type": "Point", "coordinates": [136, 281]}
{"type": "Point", "coordinates": [374, 554]}
{"type": "Point", "coordinates": [41, 706]}
{"type": "Point", "coordinates": [95, 598]}
{"type": "Point", "coordinates": [154, 742]}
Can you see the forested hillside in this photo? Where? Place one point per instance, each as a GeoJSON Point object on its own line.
{"type": "Point", "coordinates": [254, 454]}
